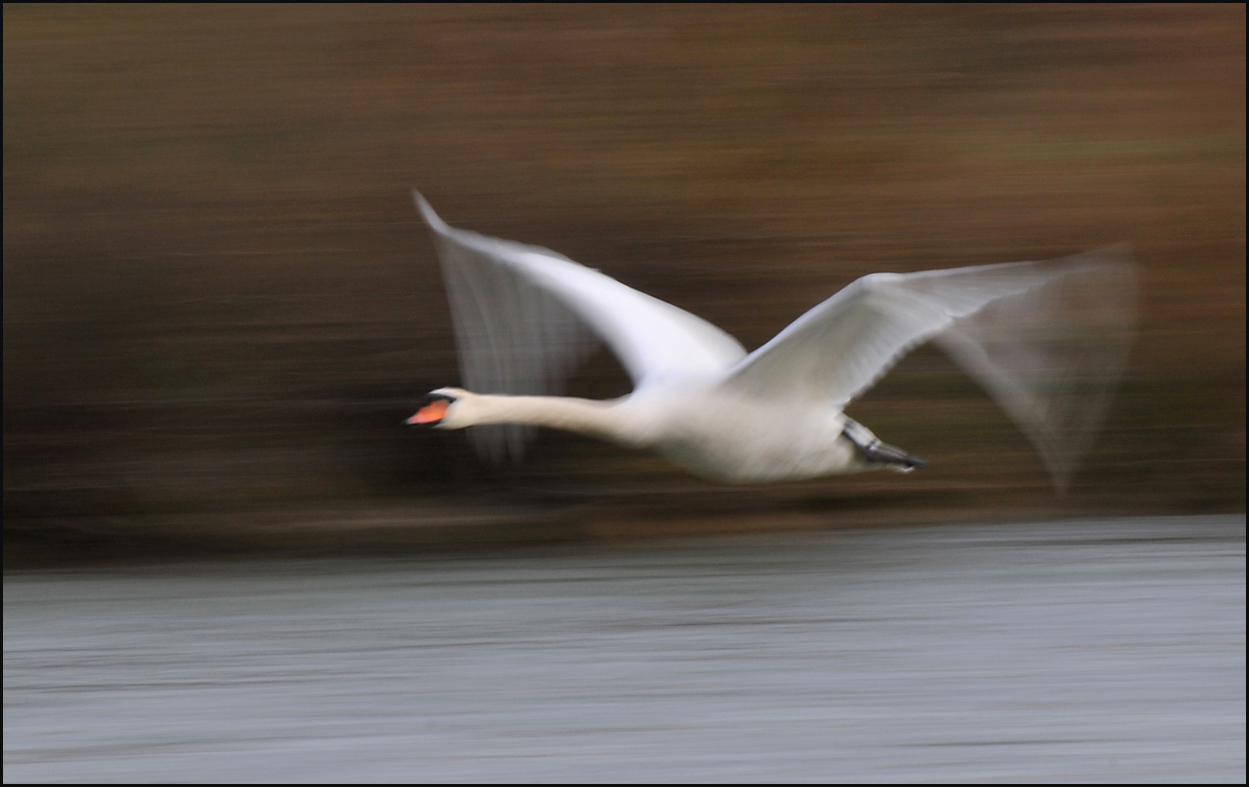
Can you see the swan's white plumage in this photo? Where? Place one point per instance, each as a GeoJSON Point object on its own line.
{"type": "Point", "coordinates": [651, 338]}
{"type": "Point", "coordinates": [520, 315]}
{"type": "Point", "coordinates": [838, 349]}
{"type": "Point", "coordinates": [1047, 339]}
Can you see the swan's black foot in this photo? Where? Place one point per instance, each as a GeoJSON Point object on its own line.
{"type": "Point", "coordinates": [878, 453]}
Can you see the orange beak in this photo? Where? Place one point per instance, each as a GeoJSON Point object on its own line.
{"type": "Point", "coordinates": [431, 413]}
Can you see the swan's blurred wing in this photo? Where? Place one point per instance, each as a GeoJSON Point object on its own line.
{"type": "Point", "coordinates": [1047, 339]}
{"type": "Point", "coordinates": [1051, 357]}
{"type": "Point", "coordinates": [525, 317]}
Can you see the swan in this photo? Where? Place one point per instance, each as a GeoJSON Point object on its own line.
{"type": "Point", "coordinates": [1046, 339]}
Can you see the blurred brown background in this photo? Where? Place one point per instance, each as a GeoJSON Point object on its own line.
{"type": "Point", "coordinates": [219, 305]}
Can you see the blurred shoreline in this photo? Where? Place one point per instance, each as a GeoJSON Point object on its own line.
{"type": "Point", "coordinates": [422, 526]}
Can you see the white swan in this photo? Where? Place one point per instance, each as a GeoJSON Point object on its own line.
{"type": "Point", "coordinates": [1047, 339]}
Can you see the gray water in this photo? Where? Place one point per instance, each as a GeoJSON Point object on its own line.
{"type": "Point", "coordinates": [1093, 650]}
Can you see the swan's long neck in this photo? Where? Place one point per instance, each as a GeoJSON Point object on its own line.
{"type": "Point", "coordinates": [606, 420]}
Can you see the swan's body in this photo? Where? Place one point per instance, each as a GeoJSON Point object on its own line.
{"type": "Point", "coordinates": [777, 413]}
{"type": "Point", "coordinates": [714, 433]}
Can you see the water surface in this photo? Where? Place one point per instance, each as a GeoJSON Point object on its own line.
{"type": "Point", "coordinates": [1102, 650]}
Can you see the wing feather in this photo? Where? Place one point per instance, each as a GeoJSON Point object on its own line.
{"type": "Point", "coordinates": [1046, 339]}
{"type": "Point", "coordinates": [838, 349]}
{"type": "Point", "coordinates": [526, 317]}
{"type": "Point", "coordinates": [1051, 357]}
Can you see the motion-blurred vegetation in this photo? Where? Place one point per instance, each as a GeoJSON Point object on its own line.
{"type": "Point", "coordinates": [219, 305]}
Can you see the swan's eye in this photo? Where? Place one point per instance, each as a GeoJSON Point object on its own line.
{"type": "Point", "coordinates": [431, 413]}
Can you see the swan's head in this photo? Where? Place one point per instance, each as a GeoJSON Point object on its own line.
{"type": "Point", "coordinates": [445, 408]}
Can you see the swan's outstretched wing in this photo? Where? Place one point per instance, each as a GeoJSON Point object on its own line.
{"type": "Point", "coordinates": [1052, 356]}
{"type": "Point", "coordinates": [521, 318]}
{"type": "Point", "coordinates": [1047, 339]}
